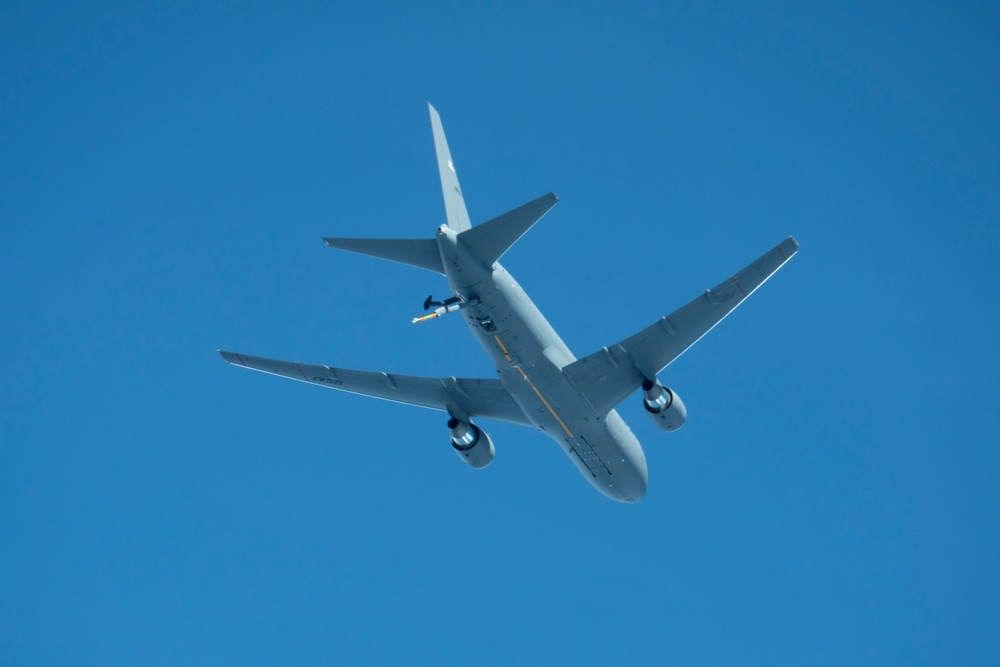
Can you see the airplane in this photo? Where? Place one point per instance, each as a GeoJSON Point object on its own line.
{"type": "Point", "coordinates": [539, 383]}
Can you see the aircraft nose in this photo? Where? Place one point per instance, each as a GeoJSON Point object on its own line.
{"type": "Point", "coordinates": [630, 488]}
{"type": "Point", "coordinates": [640, 482]}
{"type": "Point", "coordinates": [637, 492]}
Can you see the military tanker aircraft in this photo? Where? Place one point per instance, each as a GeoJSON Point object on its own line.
{"type": "Point", "coordinates": [539, 383]}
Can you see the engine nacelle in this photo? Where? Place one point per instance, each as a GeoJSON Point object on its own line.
{"type": "Point", "coordinates": [472, 444]}
{"type": "Point", "coordinates": [664, 407]}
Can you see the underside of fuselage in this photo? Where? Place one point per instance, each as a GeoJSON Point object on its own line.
{"type": "Point", "coordinates": [529, 356]}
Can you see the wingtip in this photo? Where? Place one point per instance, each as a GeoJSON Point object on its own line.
{"type": "Point", "coordinates": [788, 247]}
{"type": "Point", "coordinates": [231, 357]}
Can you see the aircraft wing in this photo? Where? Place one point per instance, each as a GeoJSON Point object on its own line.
{"type": "Point", "coordinates": [609, 375]}
{"type": "Point", "coordinates": [472, 396]}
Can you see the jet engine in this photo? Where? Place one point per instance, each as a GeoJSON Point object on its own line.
{"type": "Point", "coordinates": [664, 407]}
{"type": "Point", "coordinates": [471, 444]}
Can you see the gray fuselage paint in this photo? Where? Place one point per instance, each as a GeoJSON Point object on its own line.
{"type": "Point", "coordinates": [529, 356]}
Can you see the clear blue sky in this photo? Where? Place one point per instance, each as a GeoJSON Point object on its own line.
{"type": "Point", "coordinates": [167, 173]}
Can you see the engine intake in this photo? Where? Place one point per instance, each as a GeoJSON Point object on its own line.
{"type": "Point", "coordinates": [663, 406]}
{"type": "Point", "coordinates": [472, 444]}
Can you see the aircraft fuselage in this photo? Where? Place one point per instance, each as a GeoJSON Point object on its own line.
{"type": "Point", "coordinates": [529, 356]}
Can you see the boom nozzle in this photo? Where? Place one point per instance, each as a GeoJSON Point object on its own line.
{"type": "Point", "coordinates": [448, 306]}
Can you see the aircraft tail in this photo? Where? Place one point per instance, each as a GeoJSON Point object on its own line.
{"type": "Point", "coordinates": [422, 253]}
{"type": "Point", "coordinates": [490, 240]}
{"type": "Point", "coordinates": [454, 202]}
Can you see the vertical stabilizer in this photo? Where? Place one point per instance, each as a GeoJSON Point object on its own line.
{"type": "Point", "coordinates": [454, 202]}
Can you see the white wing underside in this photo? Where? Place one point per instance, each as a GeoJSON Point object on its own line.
{"type": "Point", "coordinates": [466, 397]}
{"type": "Point", "coordinates": [609, 375]}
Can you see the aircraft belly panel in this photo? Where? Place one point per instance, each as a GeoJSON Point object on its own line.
{"type": "Point", "coordinates": [597, 466]}
{"type": "Point", "coordinates": [604, 451]}
{"type": "Point", "coordinates": [530, 357]}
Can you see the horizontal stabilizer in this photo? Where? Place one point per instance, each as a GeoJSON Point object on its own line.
{"type": "Point", "coordinates": [490, 240]}
{"type": "Point", "coordinates": [422, 253]}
